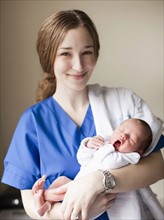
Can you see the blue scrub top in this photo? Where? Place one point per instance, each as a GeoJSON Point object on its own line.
{"type": "Point", "coordinates": [45, 141]}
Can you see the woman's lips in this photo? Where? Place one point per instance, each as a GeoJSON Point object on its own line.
{"type": "Point", "coordinates": [81, 76]}
{"type": "Point", "coordinates": [75, 74]}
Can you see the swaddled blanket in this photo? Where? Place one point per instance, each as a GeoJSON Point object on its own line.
{"type": "Point", "coordinates": [110, 106]}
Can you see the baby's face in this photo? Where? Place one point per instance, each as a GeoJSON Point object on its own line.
{"type": "Point", "coordinates": [127, 137]}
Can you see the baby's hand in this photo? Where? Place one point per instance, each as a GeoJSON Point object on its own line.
{"type": "Point", "coordinates": [40, 205]}
{"type": "Point", "coordinates": [39, 184]}
{"type": "Point", "coordinates": [95, 142]}
{"type": "Point", "coordinates": [57, 189]}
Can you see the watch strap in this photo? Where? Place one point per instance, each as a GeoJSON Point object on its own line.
{"type": "Point", "coordinates": [108, 181]}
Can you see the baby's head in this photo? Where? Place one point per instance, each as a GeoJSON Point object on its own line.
{"type": "Point", "coordinates": [133, 135]}
{"type": "Point", "coordinates": [147, 135]}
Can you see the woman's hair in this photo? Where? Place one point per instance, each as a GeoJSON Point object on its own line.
{"type": "Point", "coordinates": [50, 36]}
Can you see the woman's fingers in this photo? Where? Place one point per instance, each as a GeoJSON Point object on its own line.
{"type": "Point", "coordinates": [102, 203]}
{"type": "Point", "coordinates": [80, 197]}
{"type": "Point", "coordinates": [110, 200]}
{"type": "Point", "coordinates": [66, 211]}
{"type": "Point", "coordinates": [74, 212]}
{"type": "Point", "coordinates": [85, 202]}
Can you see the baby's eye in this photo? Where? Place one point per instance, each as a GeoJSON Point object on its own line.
{"type": "Point", "coordinates": [132, 139]}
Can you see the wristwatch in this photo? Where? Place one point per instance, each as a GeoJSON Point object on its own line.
{"type": "Point", "coordinates": [108, 181]}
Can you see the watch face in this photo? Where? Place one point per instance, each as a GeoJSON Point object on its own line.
{"type": "Point", "coordinates": [110, 183]}
{"type": "Point", "coordinates": [108, 180]}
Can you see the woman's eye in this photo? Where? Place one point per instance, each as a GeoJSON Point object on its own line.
{"type": "Point", "coordinates": [65, 54]}
{"type": "Point", "coordinates": [87, 52]}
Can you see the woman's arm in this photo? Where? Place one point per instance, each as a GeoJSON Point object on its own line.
{"type": "Point", "coordinates": [27, 195]}
{"type": "Point", "coordinates": [148, 171]}
{"type": "Point", "coordinates": [99, 205]}
{"type": "Point", "coordinates": [54, 213]}
{"type": "Point", "coordinates": [82, 198]}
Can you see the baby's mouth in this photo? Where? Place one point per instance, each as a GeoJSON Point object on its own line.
{"type": "Point", "coordinates": [117, 144]}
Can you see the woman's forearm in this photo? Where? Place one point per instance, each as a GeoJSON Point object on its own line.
{"type": "Point", "coordinates": [54, 213]}
{"type": "Point", "coordinates": [148, 171]}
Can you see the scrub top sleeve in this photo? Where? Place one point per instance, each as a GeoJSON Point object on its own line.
{"type": "Point", "coordinates": [160, 144]}
{"type": "Point", "coordinates": [21, 164]}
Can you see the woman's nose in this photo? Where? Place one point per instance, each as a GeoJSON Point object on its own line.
{"type": "Point", "coordinates": [77, 64]}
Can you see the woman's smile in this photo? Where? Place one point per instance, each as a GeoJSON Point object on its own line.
{"type": "Point", "coordinates": [77, 76]}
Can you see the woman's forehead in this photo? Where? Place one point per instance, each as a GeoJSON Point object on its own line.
{"type": "Point", "coordinates": [78, 36]}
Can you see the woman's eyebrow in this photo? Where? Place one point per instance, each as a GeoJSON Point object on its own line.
{"type": "Point", "coordinates": [89, 46]}
{"type": "Point", "coordinates": [69, 48]}
{"type": "Point", "coordinates": [65, 48]}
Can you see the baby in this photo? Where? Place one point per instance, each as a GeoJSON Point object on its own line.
{"type": "Point", "coordinates": [126, 145]}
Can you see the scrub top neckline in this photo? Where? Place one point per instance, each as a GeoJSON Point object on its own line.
{"type": "Point", "coordinates": [65, 120]}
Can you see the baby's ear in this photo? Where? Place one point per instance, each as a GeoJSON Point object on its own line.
{"type": "Point", "coordinates": [140, 152]}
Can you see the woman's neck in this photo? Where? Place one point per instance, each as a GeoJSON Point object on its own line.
{"type": "Point", "coordinates": [74, 103]}
{"type": "Point", "coordinates": [71, 98]}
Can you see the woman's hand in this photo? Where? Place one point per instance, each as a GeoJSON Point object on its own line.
{"type": "Point", "coordinates": [84, 197]}
{"type": "Point", "coordinates": [101, 204]}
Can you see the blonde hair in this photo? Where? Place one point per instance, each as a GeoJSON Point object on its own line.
{"type": "Point", "coordinates": [50, 36]}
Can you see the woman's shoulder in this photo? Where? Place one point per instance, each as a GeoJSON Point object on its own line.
{"type": "Point", "coordinates": [37, 109]}
{"type": "Point", "coordinates": [39, 105]}
{"type": "Point", "coordinates": [97, 89]}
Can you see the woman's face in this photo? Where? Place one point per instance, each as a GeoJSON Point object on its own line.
{"type": "Point", "coordinates": [75, 59]}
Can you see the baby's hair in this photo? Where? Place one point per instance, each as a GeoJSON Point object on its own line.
{"type": "Point", "coordinates": [148, 134]}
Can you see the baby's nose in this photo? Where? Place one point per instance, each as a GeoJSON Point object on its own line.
{"type": "Point", "coordinates": [123, 136]}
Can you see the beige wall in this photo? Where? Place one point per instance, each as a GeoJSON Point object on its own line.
{"type": "Point", "coordinates": [131, 35]}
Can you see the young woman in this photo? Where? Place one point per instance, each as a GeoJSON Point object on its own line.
{"type": "Point", "coordinates": [49, 133]}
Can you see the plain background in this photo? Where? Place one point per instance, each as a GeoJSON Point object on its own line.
{"type": "Point", "coordinates": [131, 55]}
